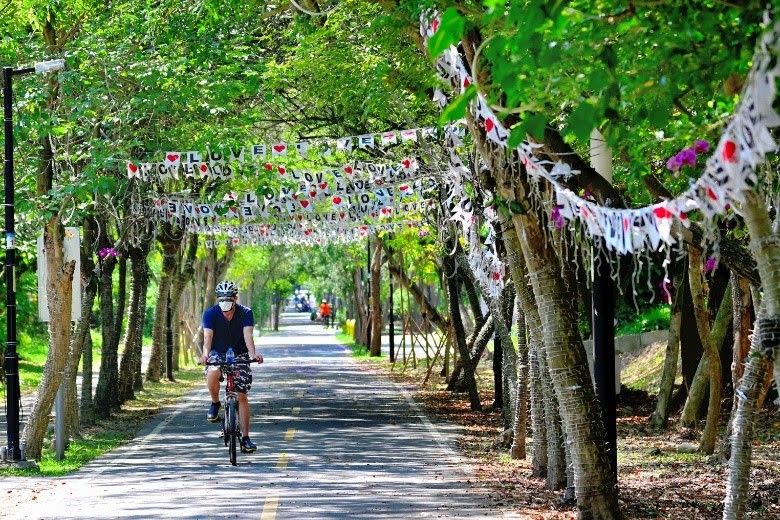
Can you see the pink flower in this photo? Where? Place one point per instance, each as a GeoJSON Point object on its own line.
{"type": "Point", "coordinates": [701, 146]}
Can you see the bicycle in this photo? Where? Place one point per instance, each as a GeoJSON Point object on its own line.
{"type": "Point", "coordinates": [231, 431]}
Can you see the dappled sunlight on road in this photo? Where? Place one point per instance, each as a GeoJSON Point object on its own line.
{"type": "Point", "coordinates": [334, 441]}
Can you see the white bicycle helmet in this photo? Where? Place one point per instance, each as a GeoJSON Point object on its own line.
{"type": "Point", "coordinates": [226, 288]}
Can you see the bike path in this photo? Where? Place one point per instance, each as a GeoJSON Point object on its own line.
{"type": "Point", "coordinates": [334, 441]}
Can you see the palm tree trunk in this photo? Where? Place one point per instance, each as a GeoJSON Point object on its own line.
{"type": "Point", "coordinates": [765, 244]}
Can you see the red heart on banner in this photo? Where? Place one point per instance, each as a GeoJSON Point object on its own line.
{"type": "Point", "coordinates": [295, 196]}
{"type": "Point", "coordinates": [312, 194]}
{"type": "Point", "coordinates": [132, 167]}
{"type": "Point", "coordinates": [406, 163]}
{"type": "Point", "coordinates": [489, 124]}
{"type": "Point", "coordinates": [683, 215]}
{"type": "Point", "coordinates": [204, 168]}
{"type": "Point", "coordinates": [403, 187]}
{"type": "Point", "coordinates": [336, 200]}
{"type": "Point", "coordinates": [282, 170]}
{"type": "Point", "coordinates": [269, 166]}
{"type": "Point", "coordinates": [279, 148]}
{"type": "Point", "coordinates": [300, 218]}
{"type": "Point", "coordinates": [496, 275]}
{"type": "Point", "coordinates": [662, 212]}
{"type": "Point", "coordinates": [305, 203]}
{"type": "Point", "coordinates": [435, 24]}
{"type": "Point", "coordinates": [172, 157]}
{"type": "Point", "coordinates": [323, 185]}
{"type": "Point", "coordinates": [711, 194]}
{"type": "Point", "coordinates": [466, 82]}
{"type": "Point", "coordinates": [729, 151]}
{"type": "Point", "coordinates": [342, 215]}
{"type": "Point", "coordinates": [308, 232]}
{"type": "Point", "coordinates": [348, 170]}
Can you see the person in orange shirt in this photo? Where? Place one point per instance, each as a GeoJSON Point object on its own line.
{"type": "Point", "coordinates": [325, 312]}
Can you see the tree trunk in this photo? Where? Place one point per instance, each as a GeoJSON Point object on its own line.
{"type": "Point", "coordinates": [716, 337]}
{"type": "Point", "coordinates": [361, 308]}
{"type": "Point", "coordinates": [660, 416]}
{"type": "Point", "coordinates": [78, 340]}
{"type": "Point", "coordinates": [742, 320]}
{"type": "Point", "coordinates": [87, 406]}
{"type": "Point", "coordinates": [169, 267]}
{"type": "Point", "coordinates": [58, 292]}
{"type": "Point", "coordinates": [517, 451]}
{"type": "Point", "coordinates": [427, 308]}
{"type": "Point", "coordinates": [133, 340]}
{"type": "Point", "coordinates": [82, 340]}
{"type": "Point", "coordinates": [106, 399]}
{"type": "Point", "coordinates": [695, 275]}
{"type": "Point", "coordinates": [376, 303]}
{"type": "Point", "coordinates": [459, 336]}
{"type": "Point", "coordinates": [765, 244]}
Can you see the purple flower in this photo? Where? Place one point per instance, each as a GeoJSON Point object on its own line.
{"type": "Point", "coordinates": [710, 265]}
{"type": "Point", "coordinates": [556, 217]}
{"type": "Point", "coordinates": [687, 156]}
{"type": "Point", "coordinates": [674, 164]}
{"type": "Point", "coordinates": [107, 251]}
{"type": "Point", "coordinates": [701, 146]}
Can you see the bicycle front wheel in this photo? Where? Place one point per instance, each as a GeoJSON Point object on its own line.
{"type": "Point", "coordinates": [232, 429]}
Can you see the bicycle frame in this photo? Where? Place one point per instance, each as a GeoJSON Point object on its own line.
{"type": "Point", "coordinates": [230, 438]}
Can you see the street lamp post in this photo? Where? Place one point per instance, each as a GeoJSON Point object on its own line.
{"type": "Point", "coordinates": [11, 364]}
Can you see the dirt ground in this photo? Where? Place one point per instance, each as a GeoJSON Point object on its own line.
{"type": "Point", "coordinates": [657, 478]}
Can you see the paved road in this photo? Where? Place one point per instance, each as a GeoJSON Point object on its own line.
{"type": "Point", "coordinates": [335, 441]}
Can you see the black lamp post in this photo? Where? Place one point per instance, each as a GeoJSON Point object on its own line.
{"type": "Point", "coordinates": [11, 358]}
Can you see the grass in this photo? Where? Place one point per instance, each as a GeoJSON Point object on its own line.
{"type": "Point", "coordinates": [110, 433]}
{"type": "Point", "coordinates": [358, 351]}
{"type": "Point", "coordinates": [654, 318]}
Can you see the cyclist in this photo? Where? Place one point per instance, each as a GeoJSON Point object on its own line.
{"type": "Point", "coordinates": [230, 325]}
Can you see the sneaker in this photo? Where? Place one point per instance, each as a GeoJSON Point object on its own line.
{"type": "Point", "coordinates": [213, 415]}
{"type": "Point", "coordinates": [247, 446]}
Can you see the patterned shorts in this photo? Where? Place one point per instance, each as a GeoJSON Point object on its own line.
{"type": "Point", "coordinates": [242, 380]}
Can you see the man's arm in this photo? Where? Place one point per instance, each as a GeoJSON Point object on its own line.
{"type": "Point", "coordinates": [208, 336]}
{"type": "Point", "coordinates": [249, 339]}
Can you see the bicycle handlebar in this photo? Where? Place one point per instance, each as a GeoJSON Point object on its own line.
{"type": "Point", "coordinates": [225, 363]}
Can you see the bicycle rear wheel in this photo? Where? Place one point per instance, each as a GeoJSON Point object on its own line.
{"type": "Point", "coordinates": [231, 429]}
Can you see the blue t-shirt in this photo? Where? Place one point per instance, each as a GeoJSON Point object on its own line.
{"type": "Point", "coordinates": [228, 333]}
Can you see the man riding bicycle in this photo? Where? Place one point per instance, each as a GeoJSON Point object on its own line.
{"type": "Point", "coordinates": [230, 325]}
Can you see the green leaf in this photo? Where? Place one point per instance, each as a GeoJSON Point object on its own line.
{"type": "Point", "coordinates": [516, 208]}
{"type": "Point", "coordinates": [581, 121]}
{"type": "Point", "coordinates": [449, 32]}
{"type": "Point", "coordinates": [457, 108]}
{"type": "Point", "coordinates": [534, 124]}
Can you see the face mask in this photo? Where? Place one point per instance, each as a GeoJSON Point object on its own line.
{"type": "Point", "coordinates": [225, 306]}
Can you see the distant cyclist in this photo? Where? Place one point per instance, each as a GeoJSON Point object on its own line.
{"type": "Point", "coordinates": [230, 325]}
{"type": "Point", "coordinates": [325, 311]}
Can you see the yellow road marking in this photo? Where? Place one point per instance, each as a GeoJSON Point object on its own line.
{"type": "Point", "coordinates": [283, 459]}
{"type": "Point", "coordinates": [296, 410]}
{"type": "Point", "coordinates": [269, 508]}
{"type": "Point", "coordinates": [288, 436]}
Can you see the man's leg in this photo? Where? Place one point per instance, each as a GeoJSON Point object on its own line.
{"type": "Point", "coordinates": [244, 413]}
{"type": "Point", "coordinates": [212, 383]}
